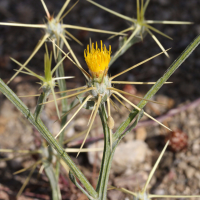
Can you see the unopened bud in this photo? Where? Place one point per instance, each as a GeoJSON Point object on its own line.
{"type": "Point", "coordinates": [110, 122]}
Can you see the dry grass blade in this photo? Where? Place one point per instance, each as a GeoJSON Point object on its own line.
{"type": "Point", "coordinates": [68, 11]}
{"type": "Point", "coordinates": [13, 157]}
{"type": "Point", "coordinates": [31, 56]}
{"type": "Point", "coordinates": [76, 136]}
{"type": "Point", "coordinates": [114, 105]}
{"type": "Point", "coordinates": [27, 180]}
{"type": "Point", "coordinates": [74, 150]}
{"type": "Point", "coordinates": [173, 196]}
{"type": "Point", "coordinates": [145, 6]}
{"type": "Point", "coordinates": [62, 10]}
{"type": "Point", "coordinates": [23, 72]}
{"type": "Point", "coordinates": [92, 113]}
{"type": "Point", "coordinates": [34, 95]}
{"type": "Point", "coordinates": [37, 95]}
{"type": "Point", "coordinates": [142, 11]}
{"type": "Point", "coordinates": [125, 30]}
{"type": "Point", "coordinates": [68, 96]}
{"type": "Point", "coordinates": [58, 64]}
{"type": "Point", "coordinates": [158, 42]}
{"type": "Point", "coordinates": [127, 41]}
{"type": "Point", "coordinates": [74, 38]}
{"type": "Point", "coordinates": [122, 190]}
{"type": "Point", "coordinates": [46, 9]}
{"type": "Point", "coordinates": [65, 91]}
{"type": "Point", "coordinates": [111, 11]}
{"type": "Point", "coordinates": [68, 111]}
{"type": "Point", "coordinates": [109, 115]}
{"type": "Point", "coordinates": [134, 66]}
{"type": "Point", "coordinates": [65, 77]}
{"type": "Point", "coordinates": [137, 83]}
{"type": "Point", "coordinates": [23, 25]}
{"type": "Point", "coordinates": [167, 22]}
{"type": "Point", "coordinates": [157, 31]}
{"type": "Point", "coordinates": [70, 50]}
{"type": "Point", "coordinates": [92, 121]}
{"type": "Point", "coordinates": [90, 29]}
{"type": "Point", "coordinates": [137, 108]}
{"type": "Point", "coordinates": [87, 76]}
{"type": "Point", "coordinates": [121, 102]}
{"type": "Point", "coordinates": [24, 169]}
{"type": "Point", "coordinates": [19, 151]}
{"type": "Point", "coordinates": [121, 91]}
{"type": "Point", "coordinates": [155, 166]}
{"type": "Point", "coordinates": [74, 115]}
{"type": "Point", "coordinates": [138, 10]}
{"type": "Point", "coordinates": [65, 166]}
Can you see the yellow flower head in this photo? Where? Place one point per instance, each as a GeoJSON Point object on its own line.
{"type": "Point", "coordinates": [97, 60]}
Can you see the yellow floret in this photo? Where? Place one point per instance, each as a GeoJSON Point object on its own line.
{"type": "Point", "coordinates": [97, 60]}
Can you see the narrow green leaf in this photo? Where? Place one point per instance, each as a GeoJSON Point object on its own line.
{"type": "Point", "coordinates": [49, 170]}
{"type": "Point", "coordinates": [184, 55]}
{"type": "Point", "coordinates": [47, 135]}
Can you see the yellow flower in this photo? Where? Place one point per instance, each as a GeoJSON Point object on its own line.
{"type": "Point", "coordinates": [97, 60]}
{"type": "Point", "coordinates": [100, 88]}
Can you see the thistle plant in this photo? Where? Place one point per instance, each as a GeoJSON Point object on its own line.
{"type": "Point", "coordinates": [139, 27]}
{"type": "Point", "coordinates": [99, 93]}
{"type": "Point", "coordinates": [101, 189]}
{"type": "Point", "coordinates": [100, 87]}
{"type": "Point", "coordinates": [48, 82]}
{"type": "Point", "coordinates": [54, 29]}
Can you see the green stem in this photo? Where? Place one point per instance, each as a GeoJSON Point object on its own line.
{"type": "Point", "coordinates": [42, 99]}
{"type": "Point", "coordinates": [103, 182]}
{"type": "Point", "coordinates": [49, 170]}
{"type": "Point", "coordinates": [190, 48]}
{"type": "Point", "coordinates": [47, 135]}
{"type": "Point", "coordinates": [62, 87]}
{"type": "Point", "coordinates": [104, 171]}
{"type": "Point", "coordinates": [108, 155]}
{"type": "Point", "coordinates": [47, 151]}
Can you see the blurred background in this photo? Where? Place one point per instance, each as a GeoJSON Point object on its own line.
{"type": "Point", "coordinates": [179, 171]}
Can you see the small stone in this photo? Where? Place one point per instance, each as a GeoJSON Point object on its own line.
{"type": "Point", "coordinates": [4, 195]}
{"type": "Point", "coordinates": [182, 165]}
{"type": "Point", "coordinates": [180, 187]}
{"type": "Point", "coordinates": [172, 189]}
{"type": "Point", "coordinates": [129, 154]}
{"type": "Point", "coordinates": [186, 191]}
{"type": "Point", "coordinates": [126, 156]}
{"type": "Point", "coordinates": [195, 147]}
{"type": "Point", "coordinates": [194, 163]}
{"type": "Point", "coordinates": [189, 172]}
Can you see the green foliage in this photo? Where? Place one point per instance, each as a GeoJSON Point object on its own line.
{"type": "Point", "coordinates": [95, 102]}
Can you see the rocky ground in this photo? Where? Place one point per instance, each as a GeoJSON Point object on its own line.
{"type": "Point", "coordinates": [178, 172]}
